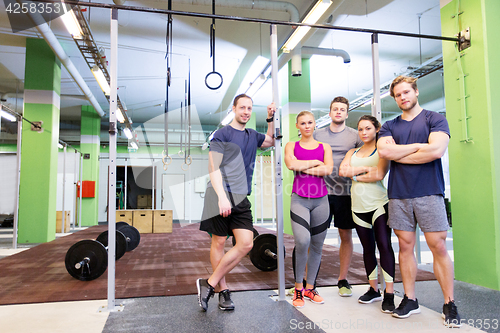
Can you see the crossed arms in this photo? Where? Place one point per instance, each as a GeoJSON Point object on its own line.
{"type": "Point", "coordinates": [310, 167]}
{"type": "Point", "coordinates": [415, 153]}
{"type": "Point", "coordinates": [363, 173]}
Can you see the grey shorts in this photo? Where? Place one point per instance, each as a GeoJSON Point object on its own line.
{"type": "Point", "coordinates": [429, 212]}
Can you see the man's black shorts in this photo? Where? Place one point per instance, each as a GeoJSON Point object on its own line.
{"type": "Point", "coordinates": [341, 211]}
{"type": "Point", "coordinates": [240, 217]}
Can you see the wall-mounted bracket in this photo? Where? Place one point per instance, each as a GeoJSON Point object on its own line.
{"type": "Point", "coordinates": [464, 39]}
{"type": "Point", "coordinates": [36, 126]}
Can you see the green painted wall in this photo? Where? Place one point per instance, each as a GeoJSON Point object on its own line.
{"type": "Point", "coordinates": [8, 147]}
{"type": "Point", "coordinates": [37, 190]}
{"type": "Point", "coordinates": [474, 165]}
{"type": "Point", "coordinates": [90, 127]}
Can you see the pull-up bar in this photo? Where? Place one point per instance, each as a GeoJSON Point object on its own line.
{"type": "Point", "coordinates": [254, 20]}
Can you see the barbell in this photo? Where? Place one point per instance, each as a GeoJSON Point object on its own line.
{"type": "Point", "coordinates": [87, 259]}
{"type": "Point", "coordinates": [264, 252]}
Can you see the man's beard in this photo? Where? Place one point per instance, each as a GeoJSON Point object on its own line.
{"type": "Point", "coordinates": [338, 122]}
{"type": "Point", "coordinates": [409, 107]}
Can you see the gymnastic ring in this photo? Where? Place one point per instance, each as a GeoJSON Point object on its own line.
{"type": "Point", "coordinates": [190, 160]}
{"type": "Point", "coordinates": [165, 164]}
{"type": "Point", "coordinates": [182, 167]}
{"type": "Point", "coordinates": [206, 80]}
{"type": "Point", "coordinates": [180, 153]}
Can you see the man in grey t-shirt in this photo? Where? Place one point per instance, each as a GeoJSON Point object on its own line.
{"type": "Point", "coordinates": [341, 138]}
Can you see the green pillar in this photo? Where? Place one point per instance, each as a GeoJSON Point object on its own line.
{"type": "Point", "coordinates": [90, 147]}
{"type": "Point", "coordinates": [470, 88]}
{"type": "Point", "coordinates": [297, 97]}
{"type": "Point", "coordinates": [37, 193]}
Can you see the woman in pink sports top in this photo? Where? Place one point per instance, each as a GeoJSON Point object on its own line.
{"type": "Point", "coordinates": [309, 209]}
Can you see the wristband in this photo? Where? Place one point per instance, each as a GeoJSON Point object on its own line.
{"type": "Point", "coordinates": [270, 120]}
{"type": "Point", "coordinates": [354, 178]}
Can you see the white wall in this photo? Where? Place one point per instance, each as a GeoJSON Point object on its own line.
{"type": "Point", "coordinates": [8, 183]}
{"type": "Point", "coordinates": [68, 169]}
{"type": "Point", "coordinates": [193, 201]}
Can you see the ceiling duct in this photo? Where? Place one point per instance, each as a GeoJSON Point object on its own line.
{"type": "Point", "coordinates": [276, 6]}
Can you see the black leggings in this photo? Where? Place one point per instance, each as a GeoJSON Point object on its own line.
{"type": "Point", "coordinates": [377, 232]}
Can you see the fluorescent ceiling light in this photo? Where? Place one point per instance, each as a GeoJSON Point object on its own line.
{"type": "Point", "coordinates": [127, 133]}
{"type": "Point", "coordinates": [256, 85]}
{"type": "Point", "coordinates": [323, 123]}
{"type": "Point", "coordinates": [228, 118]}
{"type": "Point", "coordinates": [368, 102]}
{"type": "Point", "coordinates": [101, 79]}
{"type": "Point", "coordinates": [7, 115]}
{"type": "Point", "coordinates": [134, 145]}
{"type": "Point", "coordinates": [71, 22]}
{"type": "Point", "coordinates": [312, 18]}
{"type": "Point", "coordinates": [211, 136]}
{"type": "Point", "coordinates": [59, 145]}
{"type": "Point", "coordinates": [387, 93]}
{"type": "Point", "coordinates": [254, 70]}
{"type": "Point", "coordinates": [119, 115]}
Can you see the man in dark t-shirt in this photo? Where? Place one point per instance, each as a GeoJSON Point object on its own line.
{"type": "Point", "coordinates": [415, 142]}
{"type": "Point", "coordinates": [226, 208]}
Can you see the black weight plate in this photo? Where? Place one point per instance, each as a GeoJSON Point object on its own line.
{"type": "Point", "coordinates": [121, 242]}
{"type": "Point", "coordinates": [121, 224]}
{"type": "Point", "coordinates": [133, 237]}
{"type": "Point", "coordinates": [258, 256]}
{"type": "Point", "coordinates": [97, 260]}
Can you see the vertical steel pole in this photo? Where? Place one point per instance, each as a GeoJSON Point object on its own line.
{"type": "Point", "coordinates": [18, 178]}
{"type": "Point", "coordinates": [63, 222]}
{"type": "Point", "coordinates": [81, 191]}
{"type": "Point", "coordinates": [125, 185]}
{"type": "Point", "coordinates": [261, 190]}
{"type": "Point", "coordinates": [278, 175]}
{"type": "Point", "coordinates": [153, 184]}
{"type": "Point", "coordinates": [272, 191]}
{"type": "Point", "coordinates": [376, 107]}
{"type": "Point", "coordinates": [75, 182]}
{"type": "Point", "coordinates": [112, 160]}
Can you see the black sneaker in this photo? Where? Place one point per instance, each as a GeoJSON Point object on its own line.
{"type": "Point", "coordinates": [370, 296]}
{"type": "Point", "coordinates": [450, 315]}
{"type": "Point", "coordinates": [345, 289]}
{"type": "Point", "coordinates": [225, 302]}
{"type": "Point", "coordinates": [388, 303]}
{"type": "Point", "coordinates": [205, 291]}
{"type": "Point", "coordinates": [406, 308]}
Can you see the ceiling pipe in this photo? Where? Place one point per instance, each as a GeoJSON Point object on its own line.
{"type": "Point", "coordinates": [277, 6]}
{"type": "Point", "coordinates": [53, 43]}
{"type": "Point", "coordinates": [308, 50]}
{"type": "Point", "coordinates": [15, 101]}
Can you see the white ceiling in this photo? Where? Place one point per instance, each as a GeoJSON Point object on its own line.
{"type": "Point", "coordinates": [142, 65]}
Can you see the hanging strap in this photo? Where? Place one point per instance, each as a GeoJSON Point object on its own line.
{"type": "Point", "coordinates": [166, 159]}
{"type": "Point", "coordinates": [212, 54]}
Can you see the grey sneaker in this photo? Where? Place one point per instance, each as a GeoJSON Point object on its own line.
{"type": "Point", "coordinates": [225, 302]}
{"type": "Point", "coordinates": [205, 291]}
{"type": "Point", "coordinates": [406, 308]}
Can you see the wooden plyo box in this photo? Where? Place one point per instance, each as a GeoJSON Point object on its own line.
{"type": "Point", "coordinates": [124, 216]}
{"type": "Point", "coordinates": [59, 221]}
{"type": "Point", "coordinates": [162, 221]}
{"type": "Point", "coordinates": [143, 221]}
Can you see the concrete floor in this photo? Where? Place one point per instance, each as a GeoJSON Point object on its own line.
{"type": "Point", "coordinates": [256, 311]}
